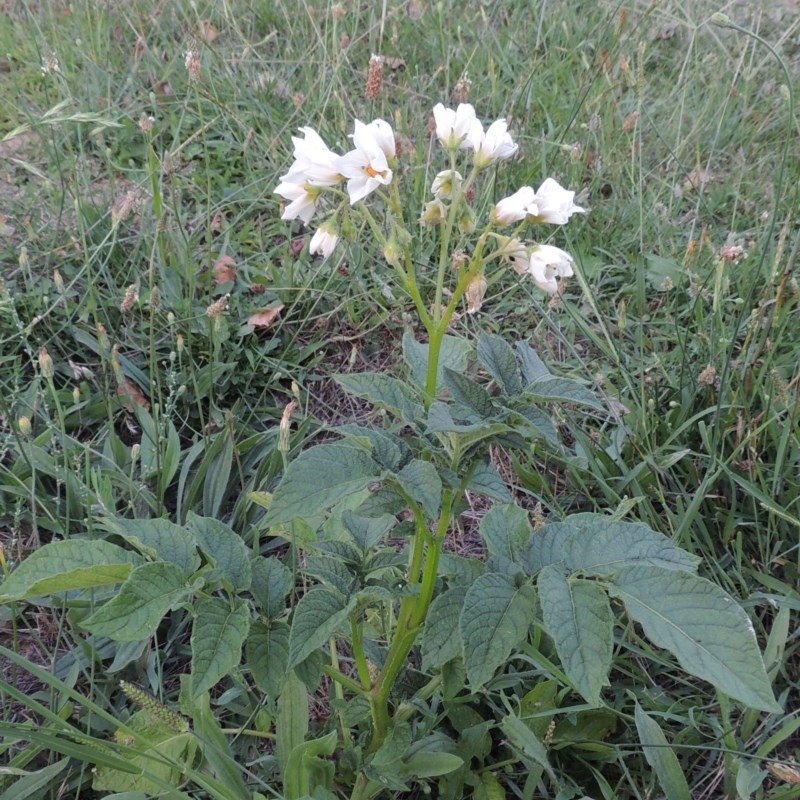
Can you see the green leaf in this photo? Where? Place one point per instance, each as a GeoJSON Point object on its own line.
{"type": "Point", "coordinates": [214, 744]}
{"type": "Point", "coordinates": [489, 788]}
{"type": "Point", "coordinates": [422, 483]}
{"type": "Point", "coordinates": [524, 740]}
{"type": "Point", "coordinates": [441, 636]}
{"type": "Point", "coordinates": [469, 393]}
{"type": "Point", "coordinates": [387, 450]}
{"type": "Point", "coordinates": [453, 354]}
{"type": "Point", "coordinates": [217, 465]}
{"type": "Point", "coordinates": [577, 614]}
{"type": "Point", "coordinates": [706, 629]}
{"type": "Point", "coordinates": [661, 757]}
{"type": "Point", "coordinates": [486, 480]}
{"type": "Point", "coordinates": [497, 357]}
{"type": "Point", "coordinates": [506, 531]}
{"type": "Point", "coordinates": [367, 531]}
{"type": "Point", "coordinates": [159, 764]}
{"type": "Point", "coordinates": [430, 764]}
{"type": "Point", "coordinates": [291, 724]}
{"type": "Point", "coordinates": [383, 391]}
{"type": "Point", "coordinates": [540, 421]}
{"type": "Point", "coordinates": [562, 390]}
{"type": "Point", "coordinates": [546, 548]}
{"type": "Point", "coordinates": [533, 368]}
{"type": "Point", "coordinates": [441, 421]}
{"type": "Point", "coordinates": [495, 618]}
{"type": "Point", "coordinates": [64, 566]}
{"type": "Point", "coordinates": [149, 593]}
{"type": "Point", "coordinates": [158, 539]}
{"type": "Point", "coordinates": [305, 771]}
{"type": "Point", "coordinates": [32, 784]}
{"type": "Point", "coordinates": [218, 632]}
{"type": "Point", "coordinates": [318, 478]}
{"type": "Point", "coordinates": [386, 764]}
{"type": "Point", "coordinates": [267, 654]}
{"type": "Point", "coordinates": [317, 617]}
{"type": "Point", "coordinates": [599, 545]}
{"type": "Point", "coordinates": [227, 549]}
{"type": "Point", "coordinates": [271, 582]}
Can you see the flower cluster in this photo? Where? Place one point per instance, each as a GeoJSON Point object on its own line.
{"type": "Point", "coordinates": [316, 167]}
{"type": "Point", "coordinates": [370, 166]}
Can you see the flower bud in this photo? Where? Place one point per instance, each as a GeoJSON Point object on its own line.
{"type": "Point", "coordinates": [24, 426]}
{"type": "Point", "coordinates": [285, 428]}
{"type": "Point", "coordinates": [434, 213]}
{"type": "Point", "coordinates": [467, 221]}
{"type": "Point", "coordinates": [475, 293]}
{"type": "Point", "coordinates": [392, 252]}
{"type": "Point", "coordinates": [45, 363]}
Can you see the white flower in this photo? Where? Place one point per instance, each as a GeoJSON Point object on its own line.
{"type": "Point", "coordinates": [516, 253]}
{"type": "Point", "coordinates": [324, 239]}
{"type": "Point", "coordinates": [314, 161]}
{"type": "Point", "coordinates": [384, 136]}
{"type": "Point", "coordinates": [495, 144]}
{"type": "Point", "coordinates": [515, 207]}
{"type": "Point", "coordinates": [366, 167]}
{"type": "Point", "coordinates": [555, 204]}
{"type": "Point", "coordinates": [303, 199]}
{"type": "Point", "coordinates": [547, 264]}
{"type": "Point", "coordinates": [459, 128]}
{"type": "Point", "coordinates": [446, 183]}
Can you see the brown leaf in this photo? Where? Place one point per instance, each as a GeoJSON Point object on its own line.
{"type": "Point", "coordinates": [208, 31]}
{"type": "Point", "coordinates": [265, 317]}
{"type": "Point", "coordinates": [630, 122]}
{"type": "Point", "coordinates": [224, 270]}
{"type": "Point", "coordinates": [131, 392]}
{"type": "Point", "coordinates": [395, 63]}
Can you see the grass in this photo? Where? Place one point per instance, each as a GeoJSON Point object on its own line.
{"type": "Point", "coordinates": [127, 186]}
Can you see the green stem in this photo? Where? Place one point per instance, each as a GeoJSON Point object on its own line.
{"type": "Point", "coordinates": [341, 678]}
{"type": "Point", "coordinates": [413, 611]}
{"type": "Point", "coordinates": [358, 652]}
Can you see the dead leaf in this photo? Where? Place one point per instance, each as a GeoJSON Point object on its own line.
{"type": "Point", "coordinates": [224, 270]}
{"type": "Point", "coordinates": [784, 772]}
{"type": "Point", "coordinates": [630, 122]}
{"type": "Point", "coordinates": [415, 9]}
{"type": "Point", "coordinates": [265, 317]}
{"type": "Point", "coordinates": [208, 31]}
{"type": "Point", "coordinates": [666, 31]}
{"type": "Point", "coordinates": [395, 63]}
{"type": "Point", "coordinates": [698, 179]}
{"type": "Point", "coordinates": [131, 392]}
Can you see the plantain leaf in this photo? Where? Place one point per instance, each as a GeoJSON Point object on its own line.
{"type": "Point", "coordinates": [661, 757]}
